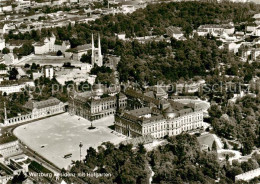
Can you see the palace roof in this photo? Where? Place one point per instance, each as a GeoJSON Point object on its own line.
{"type": "Point", "coordinates": [140, 112]}
{"type": "Point", "coordinates": [42, 104]}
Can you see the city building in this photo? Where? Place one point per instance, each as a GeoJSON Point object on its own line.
{"type": "Point", "coordinates": [175, 32]}
{"type": "Point", "coordinates": [2, 44]}
{"type": "Point", "coordinates": [15, 88]}
{"type": "Point", "coordinates": [217, 29]}
{"type": "Point", "coordinates": [48, 45]}
{"type": "Point", "coordinates": [3, 28]}
{"type": "Point", "coordinates": [48, 72]}
{"type": "Point", "coordinates": [247, 176]}
{"type": "Point", "coordinates": [10, 148]}
{"type": "Point", "coordinates": [78, 52]}
{"type": "Point", "coordinates": [10, 59]}
{"type": "Point", "coordinates": [65, 45]}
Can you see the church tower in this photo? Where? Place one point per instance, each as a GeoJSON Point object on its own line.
{"type": "Point", "coordinates": [93, 51]}
{"type": "Point", "coordinates": [5, 112]}
{"type": "Point", "coordinates": [96, 57]}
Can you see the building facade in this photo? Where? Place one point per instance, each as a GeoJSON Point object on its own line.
{"type": "Point", "coordinates": [48, 72]}
{"type": "Point", "coordinates": [39, 109]}
{"type": "Point", "coordinates": [247, 176]}
{"type": "Point", "coordinates": [92, 108]}
{"type": "Point", "coordinates": [10, 148]}
{"type": "Point", "coordinates": [134, 124]}
{"type": "Point", "coordinates": [2, 44]}
{"type": "Point", "coordinates": [45, 108]}
{"type": "Point", "coordinates": [158, 117]}
{"type": "Point", "coordinates": [49, 45]}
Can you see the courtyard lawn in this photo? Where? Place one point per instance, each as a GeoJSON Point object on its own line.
{"type": "Point", "coordinates": [202, 104]}
{"type": "Point", "coordinates": [60, 135]}
{"type": "Point", "coordinates": [208, 139]}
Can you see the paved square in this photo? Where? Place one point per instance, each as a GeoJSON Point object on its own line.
{"type": "Point", "coordinates": [57, 136]}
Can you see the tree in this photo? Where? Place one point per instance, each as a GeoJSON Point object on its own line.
{"type": "Point", "coordinates": [86, 58]}
{"type": "Point", "coordinates": [214, 146]}
{"type": "Point", "coordinates": [18, 179]}
{"type": "Point", "coordinates": [225, 145]}
{"type": "Point", "coordinates": [26, 65]}
{"type": "Point", "coordinates": [34, 66]}
{"type": "Point", "coordinates": [59, 53]}
{"type": "Point", "coordinates": [25, 50]}
{"type": "Point", "coordinates": [141, 149]}
{"type": "Point", "coordinates": [5, 51]}
{"type": "Point", "coordinates": [2, 66]}
{"type": "Point", "coordinates": [13, 74]}
{"type": "Point", "coordinates": [215, 111]}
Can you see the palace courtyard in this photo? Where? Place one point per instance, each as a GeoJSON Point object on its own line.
{"type": "Point", "coordinates": [60, 135]}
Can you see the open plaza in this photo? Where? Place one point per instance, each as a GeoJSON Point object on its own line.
{"type": "Point", "coordinates": [60, 135]}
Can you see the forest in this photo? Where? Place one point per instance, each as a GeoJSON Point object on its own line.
{"type": "Point", "coordinates": [239, 121]}
{"type": "Point", "coordinates": [179, 161]}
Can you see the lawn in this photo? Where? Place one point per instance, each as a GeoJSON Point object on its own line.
{"type": "Point", "coordinates": [59, 135]}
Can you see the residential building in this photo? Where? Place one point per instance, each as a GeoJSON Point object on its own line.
{"type": "Point", "coordinates": [48, 72]}
{"type": "Point", "coordinates": [2, 44]}
{"type": "Point", "coordinates": [175, 32]}
{"type": "Point", "coordinates": [79, 51]}
{"type": "Point", "coordinates": [3, 28]}
{"type": "Point", "coordinates": [257, 32]}
{"type": "Point", "coordinates": [10, 148]}
{"type": "Point", "coordinates": [47, 46]}
{"type": "Point", "coordinates": [15, 88]}
{"type": "Point", "coordinates": [247, 176]}
{"type": "Point", "coordinates": [65, 45]}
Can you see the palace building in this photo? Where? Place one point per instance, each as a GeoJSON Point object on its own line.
{"type": "Point", "coordinates": [94, 105]}
{"type": "Point", "coordinates": [165, 117]}
{"type": "Point", "coordinates": [45, 108]}
{"type": "Point", "coordinates": [39, 109]}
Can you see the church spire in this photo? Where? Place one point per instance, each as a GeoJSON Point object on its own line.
{"type": "Point", "coordinates": [93, 46]}
{"type": "Point", "coordinates": [93, 51]}
{"type": "Point", "coordinates": [5, 112]}
{"type": "Point", "coordinates": [99, 46]}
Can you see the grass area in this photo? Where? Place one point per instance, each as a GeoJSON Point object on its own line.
{"type": "Point", "coordinates": [39, 168]}
{"type": "Point", "coordinates": [224, 154]}
{"type": "Point", "coordinates": [6, 139]}
{"type": "Point", "coordinates": [3, 168]}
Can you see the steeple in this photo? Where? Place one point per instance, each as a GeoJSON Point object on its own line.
{"type": "Point", "coordinates": [99, 46]}
{"type": "Point", "coordinates": [5, 112]}
{"type": "Point", "coordinates": [96, 57]}
{"type": "Point", "coordinates": [93, 51]}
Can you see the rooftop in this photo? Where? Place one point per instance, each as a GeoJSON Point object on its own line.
{"type": "Point", "coordinates": [42, 104]}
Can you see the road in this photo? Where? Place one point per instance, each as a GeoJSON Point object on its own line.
{"type": "Point", "coordinates": [39, 159]}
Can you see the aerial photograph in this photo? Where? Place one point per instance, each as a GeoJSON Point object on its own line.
{"type": "Point", "coordinates": [129, 91]}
